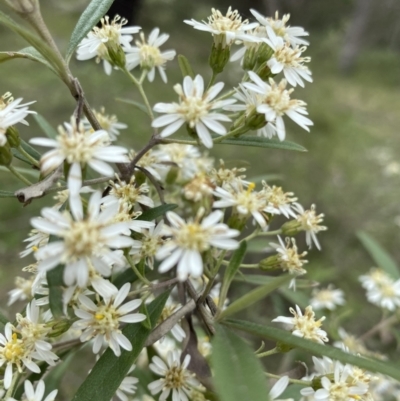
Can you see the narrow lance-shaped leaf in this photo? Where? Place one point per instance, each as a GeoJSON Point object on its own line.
{"type": "Point", "coordinates": [109, 371]}
{"type": "Point", "coordinates": [29, 53]}
{"type": "Point", "coordinates": [158, 211]}
{"type": "Point", "coordinates": [238, 373]}
{"type": "Point", "coordinates": [55, 282]}
{"type": "Point", "coordinates": [45, 126]}
{"type": "Point", "coordinates": [184, 65]}
{"type": "Point", "coordinates": [30, 150]}
{"type": "Point", "coordinates": [262, 142]}
{"type": "Point", "coordinates": [373, 365]}
{"type": "Point", "coordinates": [89, 18]}
{"type": "Point", "coordinates": [35, 41]}
{"type": "Point", "coordinates": [380, 256]}
{"type": "Point", "coordinates": [254, 296]}
{"type": "Point", "coordinates": [233, 267]}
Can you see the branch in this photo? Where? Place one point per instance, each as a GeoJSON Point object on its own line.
{"type": "Point", "coordinates": [162, 329]}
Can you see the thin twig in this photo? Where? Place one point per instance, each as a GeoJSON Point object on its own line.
{"type": "Point", "coordinates": [156, 184]}
{"type": "Point", "coordinates": [162, 329]}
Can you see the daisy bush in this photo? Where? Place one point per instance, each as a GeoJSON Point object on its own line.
{"type": "Point", "coordinates": [145, 256]}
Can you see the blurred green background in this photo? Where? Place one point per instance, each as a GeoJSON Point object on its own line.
{"type": "Point", "coordinates": [351, 170]}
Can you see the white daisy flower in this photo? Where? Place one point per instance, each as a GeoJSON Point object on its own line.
{"type": "Point", "coordinates": [36, 239]}
{"type": "Point", "coordinates": [327, 298]}
{"type": "Point", "coordinates": [79, 147]}
{"type": "Point", "coordinates": [102, 321]}
{"type": "Point", "coordinates": [382, 290]}
{"type": "Point", "coordinates": [127, 193]}
{"type": "Point", "coordinates": [11, 113]}
{"type": "Point", "coordinates": [22, 290]}
{"type": "Point", "coordinates": [304, 326]}
{"type": "Point", "coordinates": [190, 239]}
{"type": "Point", "coordinates": [109, 123]}
{"type": "Point", "coordinates": [34, 333]}
{"type": "Point", "coordinates": [278, 27]}
{"type": "Point", "coordinates": [195, 109]}
{"type": "Point", "coordinates": [245, 201]}
{"type": "Point", "coordinates": [288, 257]}
{"type": "Point", "coordinates": [276, 103]}
{"type": "Point", "coordinates": [226, 29]}
{"type": "Point", "coordinates": [148, 245]}
{"type": "Point", "coordinates": [148, 54]}
{"type": "Point", "coordinates": [14, 351]}
{"type": "Point", "coordinates": [278, 201]}
{"type": "Point", "coordinates": [176, 377]}
{"type": "Point", "coordinates": [36, 395]}
{"type": "Point", "coordinates": [105, 42]}
{"type": "Point", "coordinates": [288, 60]}
{"type": "Point", "coordinates": [309, 222]}
{"type": "Point", "coordinates": [83, 241]}
{"type": "Point", "coordinates": [127, 386]}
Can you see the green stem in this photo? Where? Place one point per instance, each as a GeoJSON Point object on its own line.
{"type": "Point", "coordinates": [19, 175]}
{"type": "Point", "coordinates": [28, 156]}
{"type": "Point", "coordinates": [244, 265]}
{"type": "Point", "coordinates": [268, 353]}
{"type": "Point", "coordinates": [212, 80]}
{"type": "Point", "coordinates": [134, 268]}
{"type": "Point", "coordinates": [142, 77]}
{"type": "Point", "coordinates": [181, 141]}
{"type": "Point", "coordinates": [228, 135]}
{"type": "Point", "coordinates": [139, 86]}
{"type": "Point", "coordinates": [268, 233]}
{"type": "Point", "coordinates": [294, 381]}
{"type": "Point", "coordinates": [14, 383]}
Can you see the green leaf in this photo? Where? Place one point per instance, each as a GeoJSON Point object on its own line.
{"type": "Point", "coordinates": [373, 365]}
{"type": "Point", "coordinates": [138, 105]}
{"type": "Point", "coordinates": [185, 66]}
{"type": "Point", "coordinates": [109, 371]}
{"type": "Point", "coordinates": [158, 211]}
{"type": "Point", "coordinates": [380, 256]}
{"type": "Point", "coordinates": [31, 151]}
{"type": "Point", "coordinates": [232, 269]}
{"type": "Point", "coordinates": [262, 142]}
{"type": "Point", "coordinates": [25, 171]}
{"type": "Point", "coordinates": [89, 18]}
{"type": "Point", "coordinates": [238, 372]}
{"type": "Point", "coordinates": [256, 295]}
{"type": "Point", "coordinates": [55, 282]}
{"type": "Point", "coordinates": [45, 126]}
{"type": "Point", "coordinates": [29, 53]}
{"type": "Point", "coordinates": [35, 41]}
{"type": "Point", "coordinates": [7, 194]}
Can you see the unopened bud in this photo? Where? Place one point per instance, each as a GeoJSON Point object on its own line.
{"type": "Point", "coordinates": [291, 228]}
{"type": "Point", "coordinates": [5, 155]}
{"type": "Point", "coordinates": [270, 263]}
{"type": "Point", "coordinates": [219, 57]}
{"type": "Point", "coordinates": [13, 137]}
{"type": "Point", "coordinates": [59, 328]}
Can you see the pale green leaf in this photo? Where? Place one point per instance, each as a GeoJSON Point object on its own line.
{"type": "Point", "coordinates": [238, 374]}
{"type": "Point", "coordinates": [109, 371]}
{"type": "Point", "coordinates": [29, 53]}
{"type": "Point", "coordinates": [380, 256]}
{"type": "Point", "coordinates": [151, 214]}
{"type": "Point", "coordinates": [184, 65]}
{"type": "Point", "coordinates": [282, 336]}
{"type": "Point", "coordinates": [138, 105]}
{"type": "Point", "coordinates": [46, 127]}
{"type": "Point", "coordinates": [256, 295]}
{"type": "Point", "coordinates": [89, 18]}
{"type": "Point", "coordinates": [6, 194]}
{"type": "Point", "coordinates": [262, 142]}
{"type": "Point", "coordinates": [234, 263]}
{"type": "Point", "coordinates": [35, 41]}
{"type": "Point", "coordinates": [30, 150]}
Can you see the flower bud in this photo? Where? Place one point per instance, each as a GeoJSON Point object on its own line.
{"type": "Point", "coordinates": [291, 228]}
{"type": "Point", "coordinates": [59, 328]}
{"type": "Point", "coordinates": [5, 155]}
{"type": "Point", "coordinates": [270, 263]}
{"type": "Point", "coordinates": [13, 137]}
{"type": "Point", "coordinates": [219, 57]}
{"type": "Point", "coordinates": [116, 56]}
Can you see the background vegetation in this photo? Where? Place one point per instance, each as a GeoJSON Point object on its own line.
{"type": "Point", "coordinates": [351, 170]}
